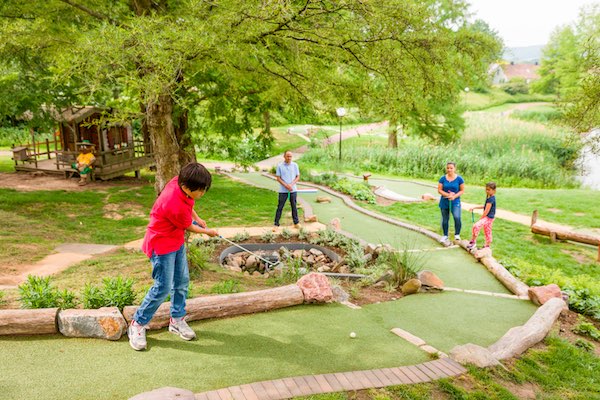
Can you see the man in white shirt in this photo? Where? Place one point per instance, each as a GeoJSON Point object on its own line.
{"type": "Point", "coordinates": [288, 174]}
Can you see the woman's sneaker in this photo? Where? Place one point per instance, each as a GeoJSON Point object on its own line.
{"type": "Point", "coordinates": [137, 335]}
{"type": "Point", "coordinates": [179, 327]}
{"type": "Point", "coordinates": [456, 237]}
{"type": "Point", "coordinates": [444, 239]}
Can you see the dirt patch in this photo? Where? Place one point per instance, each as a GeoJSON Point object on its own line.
{"type": "Point", "coordinates": [554, 210]}
{"type": "Point", "coordinates": [382, 201]}
{"type": "Point", "coordinates": [579, 257]}
{"type": "Point", "coordinates": [579, 214]}
{"type": "Point", "coordinates": [122, 210]}
{"type": "Point", "coordinates": [569, 320]}
{"type": "Point", "coordinates": [27, 182]}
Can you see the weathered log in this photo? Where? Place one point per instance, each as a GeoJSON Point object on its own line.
{"type": "Point", "coordinates": [227, 305]}
{"type": "Point", "coordinates": [520, 338]}
{"type": "Point", "coordinates": [28, 322]}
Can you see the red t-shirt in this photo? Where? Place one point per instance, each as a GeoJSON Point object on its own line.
{"type": "Point", "coordinates": [169, 218]}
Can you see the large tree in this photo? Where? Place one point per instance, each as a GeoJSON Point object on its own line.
{"type": "Point", "coordinates": [161, 59]}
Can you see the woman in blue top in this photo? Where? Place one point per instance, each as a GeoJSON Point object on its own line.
{"type": "Point", "coordinates": [450, 187]}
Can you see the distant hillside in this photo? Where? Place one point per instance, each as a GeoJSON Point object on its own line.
{"type": "Point", "coordinates": [528, 54]}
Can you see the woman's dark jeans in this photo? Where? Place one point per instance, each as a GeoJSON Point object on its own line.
{"type": "Point", "coordinates": [446, 218]}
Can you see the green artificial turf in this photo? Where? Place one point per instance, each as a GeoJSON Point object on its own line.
{"type": "Point", "coordinates": [289, 342]}
{"type": "Point", "coordinates": [459, 269]}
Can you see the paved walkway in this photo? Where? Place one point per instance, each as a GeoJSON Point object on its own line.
{"type": "Point", "coordinates": [344, 381]}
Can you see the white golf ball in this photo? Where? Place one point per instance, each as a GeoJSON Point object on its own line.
{"type": "Point", "coordinates": [352, 335]}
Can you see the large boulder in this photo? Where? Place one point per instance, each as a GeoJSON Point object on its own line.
{"type": "Point", "coordinates": [429, 280]}
{"type": "Point", "coordinates": [411, 286]}
{"type": "Point", "coordinates": [104, 323]}
{"type": "Point", "coordinates": [541, 294]}
{"type": "Point", "coordinates": [315, 288]}
{"type": "Point", "coordinates": [323, 199]}
{"type": "Point", "coordinates": [428, 197]}
{"type": "Point", "coordinates": [472, 354]}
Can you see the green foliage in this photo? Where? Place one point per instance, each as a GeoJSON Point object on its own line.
{"type": "Point", "coordinates": [241, 236]}
{"type": "Point", "coordinates": [587, 329]}
{"type": "Point", "coordinates": [549, 114]}
{"type": "Point", "coordinates": [268, 237]}
{"type": "Point", "coordinates": [358, 190]}
{"type": "Point", "coordinates": [2, 294]}
{"type": "Point", "coordinates": [226, 287]}
{"type": "Point", "coordinates": [584, 345]}
{"type": "Point", "coordinates": [286, 233]}
{"type": "Point", "coordinates": [19, 135]}
{"type": "Point", "coordinates": [404, 264]}
{"type": "Point", "coordinates": [200, 253]}
{"type": "Point", "coordinates": [303, 233]}
{"type": "Point", "coordinates": [516, 86]}
{"type": "Point", "coordinates": [326, 178]}
{"type": "Point", "coordinates": [292, 269]}
{"type": "Point", "coordinates": [116, 292]}
{"type": "Point", "coordinates": [38, 292]}
{"type": "Point", "coordinates": [584, 302]}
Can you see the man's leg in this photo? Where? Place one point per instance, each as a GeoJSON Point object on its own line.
{"type": "Point", "coordinates": [293, 198]}
{"type": "Point", "coordinates": [280, 203]}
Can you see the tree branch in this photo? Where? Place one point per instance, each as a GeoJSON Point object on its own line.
{"type": "Point", "coordinates": [89, 11]}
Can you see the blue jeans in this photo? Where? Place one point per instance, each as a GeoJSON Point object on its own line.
{"type": "Point", "coordinates": [281, 202]}
{"type": "Point", "coordinates": [455, 216]}
{"type": "Point", "coordinates": [171, 275]}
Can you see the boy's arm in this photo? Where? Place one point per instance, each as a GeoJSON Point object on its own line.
{"type": "Point", "coordinates": [194, 227]}
{"type": "Point", "coordinates": [199, 220]}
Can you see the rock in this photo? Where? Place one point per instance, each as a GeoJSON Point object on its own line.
{"type": "Point", "coordinates": [235, 269]}
{"type": "Point", "coordinates": [323, 199]}
{"type": "Point", "coordinates": [481, 253]}
{"type": "Point", "coordinates": [541, 294]}
{"type": "Point", "coordinates": [339, 294]}
{"type": "Point", "coordinates": [311, 218]}
{"type": "Point", "coordinates": [368, 257]}
{"type": "Point", "coordinates": [165, 393]}
{"type": "Point", "coordinates": [298, 253]}
{"type": "Point", "coordinates": [251, 262]}
{"type": "Point", "coordinates": [324, 268]}
{"type": "Point", "coordinates": [315, 287]}
{"type": "Point", "coordinates": [387, 277]}
{"type": "Point", "coordinates": [104, 323]}
{"type": "Point", "coordinates": [430, 279]}
{"type": "Point", "coordinates": [379, 249]}
{"type": "Point", "coordinates": [411, 286]}
{"type": "Point", "coordinates": [335, 223]}
{"type": "Point", "coordinates": [472, 354]}
{"type": "Point", "coordinates": [380, 284]}
{"type": "Point", "coordinates": [246, 273]}
{"type": "Point", "coordinates": [370, 248]}
{"type": "Point", "coordinates": [315, 252]}
{"type": "Point", "coordinates": [344, 269]}
{"type": "Point", "coordinates": [427, 196]}
{"type": "Point", "coordinates": [256, 273]}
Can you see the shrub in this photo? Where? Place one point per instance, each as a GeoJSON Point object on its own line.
{"type": "Point", "coordinates": [226, 287]}
{"type": "Point", "coordinates": [268, 237]}
{"type": "Point", "coordinates": [585, 345]}
{"type": "Point", "coordinates": [199, 255]}
{"type": "Point", "coordinates": [302, 233]}
{"type": "Point", "coordinates": [38, 292]}
{"type": "Point", "coordinates": [581, 301]}
{"type": "Point", "coordinates": [358, 190]}
{"type": "Point", "coordinates": [116, 292]}
{"type": "Point", "coordinates": [241, 236]}
{"type": "Point", "coordinates": [403, 264]}
{"type": "Point", "coordinates": [286, 233]}
{"type": "Point", "coordinates": [516, 86]}
{"type": "Point", "coordinates": [2, 294]}
{"type": "Point", "coordinates": [587, 329]}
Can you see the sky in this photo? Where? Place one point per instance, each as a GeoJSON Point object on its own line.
{"type": "Point", "coordinates": [527, 22]}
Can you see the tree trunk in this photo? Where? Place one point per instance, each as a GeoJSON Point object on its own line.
{"type": "Point", "coordinates": [267, 119]}
{"type": "Point", "coordinates": [159, 119]}
{"type": "Point", "coordinates": [187, 152]}
{"type": "Point", "coordinates": [227, 305]}
{"type": "Point", "coordinates": [28, 322]}
{"type": "Point", "coordinates": [393, 133]}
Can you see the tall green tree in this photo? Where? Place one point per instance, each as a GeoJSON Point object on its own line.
{"type": "Point", "coordinates": [162, 59]}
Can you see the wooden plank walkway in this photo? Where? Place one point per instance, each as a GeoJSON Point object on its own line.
{"type": "Point", "coordinates": [307, 385]}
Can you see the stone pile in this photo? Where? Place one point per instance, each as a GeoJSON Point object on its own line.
{"type": "Point", "coordinates": [312, 260]}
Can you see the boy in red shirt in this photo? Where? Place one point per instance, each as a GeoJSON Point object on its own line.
{"type": "Point", "coordinates": [172, 214]}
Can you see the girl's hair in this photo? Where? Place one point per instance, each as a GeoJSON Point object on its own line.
{"type": "Point", "coordinates": [491, 185]}
{"type": "Point", "coordinates": [451, 163]}
{"type": "Point", "coordinates": [195, 177]}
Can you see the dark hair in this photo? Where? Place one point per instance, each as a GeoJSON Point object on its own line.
{"type": "Point", "coordinates": [451, 163]}
{"type": "Point", "coordinates": [491, 185]}
{"type": "Point", "coordinates": [195, 176]}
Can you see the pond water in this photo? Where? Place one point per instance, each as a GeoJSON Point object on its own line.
{"type": "Point", "coordinates": [590, 162]}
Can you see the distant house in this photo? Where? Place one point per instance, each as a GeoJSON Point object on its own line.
{"type": "Point", "coordinates": [116, 149]}
{"type": "Point", "coordinates": [502, 73]}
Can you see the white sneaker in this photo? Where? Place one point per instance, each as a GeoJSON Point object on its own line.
{"type": "Point", "coordinates": [456, 237]}
{"type": "Point", "coordinates": [137, 335]}
{"type": "Point", "coordinates": [179, 327]}
{"type": "Point", "coordinates": [444, 239]}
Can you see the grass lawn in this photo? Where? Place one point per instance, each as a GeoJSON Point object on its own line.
{"type": "Point", "coordinates": [36, 222]}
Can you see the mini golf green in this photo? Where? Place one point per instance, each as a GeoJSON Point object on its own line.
{"type": "Point", "coordinates": [406, 188]}
{"type": "Point", "coordinates": [288, 342]}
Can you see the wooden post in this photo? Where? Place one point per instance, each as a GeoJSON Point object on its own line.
{"type": "Point", "coordinates": [534, 217]}
{"type": "Point", "coordinates": [553, 237]}
{"type": "Point", "coordinates": [599, 252]}
{"type": "Point", "coordinates": [48, 149]}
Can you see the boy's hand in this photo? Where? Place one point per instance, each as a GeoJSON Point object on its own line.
{"type": "Point", "coordinates": [212, 232]}
{"type": "Point", "coordinates": [201, 222]}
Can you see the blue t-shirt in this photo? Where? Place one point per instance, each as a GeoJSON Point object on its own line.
{"type": "Point", "coordinates": [287, 173]}
{"type": "Point", "coordinates": [450, 186]}
{"type": "Point", "coordinates": [492, 201]}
